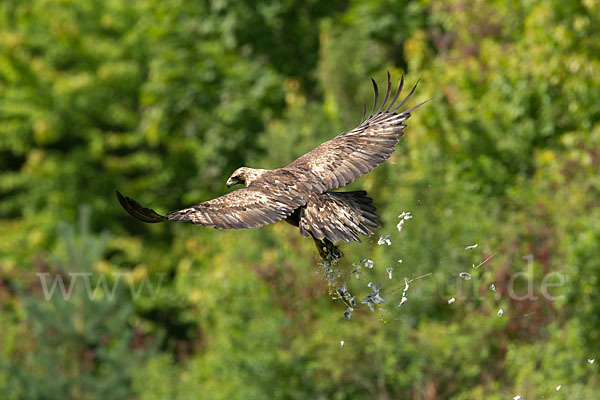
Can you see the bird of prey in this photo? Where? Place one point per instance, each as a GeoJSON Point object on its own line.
{"type": "Point", "coordinates": [301, 193]}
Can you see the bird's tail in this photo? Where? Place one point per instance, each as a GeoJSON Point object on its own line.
{"type": "Point", "coordinates": [138, 211]}
{"type": "Point", "coordinates": [339, 216]}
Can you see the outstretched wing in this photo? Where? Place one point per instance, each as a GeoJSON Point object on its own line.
{"type": "Point", "coordinates": [346, 157]}
{"type": "Point", "coordinates": [243, 208]}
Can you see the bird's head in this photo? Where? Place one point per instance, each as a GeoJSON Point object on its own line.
{"type": "Point", "coordinates": [244, 175]}
{"type": "Point", "coordinates": [238, 176]}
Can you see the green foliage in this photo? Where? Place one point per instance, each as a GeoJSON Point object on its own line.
{"type": "Point", "coordinates": [77, 346]}
{"type": "Point", "coordinates": [164, 99]}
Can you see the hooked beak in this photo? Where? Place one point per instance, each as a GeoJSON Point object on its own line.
{"type": "Point", "coordinates": [229, 183]}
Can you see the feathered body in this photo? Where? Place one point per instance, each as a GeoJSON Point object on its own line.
{"type": "Point", "coordinates": [301, 193]}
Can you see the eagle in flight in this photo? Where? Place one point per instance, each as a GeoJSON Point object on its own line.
{"type": "Point", "coordinates": [302, 192]}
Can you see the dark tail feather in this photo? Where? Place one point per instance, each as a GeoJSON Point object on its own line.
{"type": "Point", "coordinates": [358, 200]}
{"type": "Point", "coordinates": [339, 216]}
{"type": "Point", "coordinates": [138, 211]}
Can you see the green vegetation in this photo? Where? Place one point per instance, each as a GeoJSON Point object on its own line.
{"type": "Point", "coordinates": [164, 99]}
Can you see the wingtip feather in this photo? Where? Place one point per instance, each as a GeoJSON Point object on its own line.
{"type": "Point", "coordinates": [375, 97]}
{"type": "Point", "coordinates": [407, 97]}
{"type": "Point", "coordinates": [136, 210]}
{"type": "Point", "coordinates": [387, 93]}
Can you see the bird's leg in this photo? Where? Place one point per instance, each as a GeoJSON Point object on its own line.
{"type": "Point", "coordinates": [333, 250]}
{"type": "Point", "coordinates": [321, 248]}
{"type": "Point", "coordinates": [327, 250]}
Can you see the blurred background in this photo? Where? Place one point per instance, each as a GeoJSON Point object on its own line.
{"type": "Point", "coordinates": [164, 99]}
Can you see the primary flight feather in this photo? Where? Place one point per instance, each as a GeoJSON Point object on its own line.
{"type": "Point", "coordinates": [300, 193]}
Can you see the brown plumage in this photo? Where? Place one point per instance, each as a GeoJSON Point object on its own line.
{"type": "Point", "coordinates": [300, 192]}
